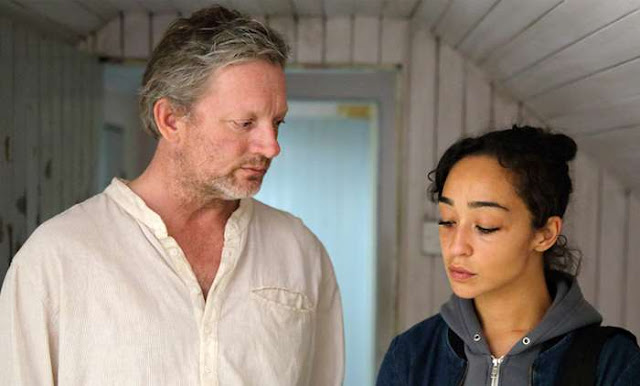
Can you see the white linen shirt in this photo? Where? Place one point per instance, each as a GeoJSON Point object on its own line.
{"type": "Point", "coordinates": [102, 295]}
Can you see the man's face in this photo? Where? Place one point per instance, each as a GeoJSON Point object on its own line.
{"type": "Point", "coordinates": [231, 134]}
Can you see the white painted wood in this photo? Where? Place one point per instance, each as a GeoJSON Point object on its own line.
{"type": "Point", "coordinates": [287, 27]}
{"type": "Point", "coordinates": [32, 128]}
{"type": "Point", "coordinates": [554, 32]}
{"type": "Point", "coordinates": [78, 130]}
{"type": "Point", "coordinates": [632, 269]}
{"type": "Point", "coordinates": [531, 119]}
{"type": "Point", "coordinates": [68, 126]}
{"type": "Point", "coordinates": [307, 7]}
{"type": "Point", "coordinates": [441, 287]}
{"type": "Point", "coordinates": [399, 8]}
{"type": "Point", "coordinates": [275, 7]}
{"type": "Point", "coordinates": [613, 215]}
{"type": "Point", "coordinates": [624, 113]}
{"type": "Point", "coordinates": [450, 98]}
{"type": "Point", "coordinates": [395, 40]}
{"type": "Point", "coordinates": [504, 22]}
{"type": "Point", "coordinates": [366, 39]}
{"type": "Point", "coordinates": [71, 15]}
{"type": "Point", "coordinates": [19, 144]}
{"type": "Point", "coordinates": [85, 128]}
{"type": "Point", "coordinates": [108, 39]}
{"type": "Point", "coordinates": [461, 18]}
{"type": "Point", "coordinates": [339, 34]}
{"type": "Point", "coordinates": [6, 134]}
{"type": "Point", "coordinates": [414, 300]}
{"type": "Point", "coordinates": [431, 11]}
{"type": "Point", "coordinates": [159, 25]}
{"type": "Point", "coordinates": [339, 7]}
{"type": "Point", "coordinates": [614, 85]}
{"type": "Point", "coordinates": [57, 66]}
{"type": "Point", "coordinates": [251, 7]}
{"type": "Point", "coordinates": [582, 225]}
{"type": "Point", "coordinates": [477, 101]}
{"type": "Point", "coordinates": [505, 110]}
{"type": "Point", "coordinates": [612, 45]}
{"type": "Point", "coordinates": [369, 7]}
{"type": "Point", "coordinates": [46, 97]}
{"type": "Point", "coordinates": [310, 40]}
{"type": "Point", "coordinates": [136, 35]}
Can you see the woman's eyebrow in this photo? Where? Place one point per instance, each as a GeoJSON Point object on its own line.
{"type": "Point", "coordinates": [486, 204]}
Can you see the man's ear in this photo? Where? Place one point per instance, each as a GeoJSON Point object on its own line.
{"type": "Point", "coordinates": [546, 236]}
{"type": "Point", "coordinates": [168, 120]}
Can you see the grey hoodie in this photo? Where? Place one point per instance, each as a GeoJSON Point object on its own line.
{"type": "Point", "coordinates": [569, 311]}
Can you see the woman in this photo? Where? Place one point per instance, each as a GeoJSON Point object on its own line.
{"type": "Point", "coordinates": [516, 307]}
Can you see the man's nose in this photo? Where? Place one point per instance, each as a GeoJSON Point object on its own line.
{"type": "Point", "coordinates": [267, 142]}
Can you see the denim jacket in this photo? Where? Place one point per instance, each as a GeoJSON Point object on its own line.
{"type": "Point", "coordinates": [425, 355]}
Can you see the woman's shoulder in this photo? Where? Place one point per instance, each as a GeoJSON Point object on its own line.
{"type": "Point", "coordinates": [619, 361]}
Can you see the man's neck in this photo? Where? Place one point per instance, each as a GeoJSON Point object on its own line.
{"type": "Point", "coordinates": [178, 208]}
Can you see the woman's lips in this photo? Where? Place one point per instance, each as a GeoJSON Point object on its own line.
{"type": "Point", "coordinates": [460, 274]}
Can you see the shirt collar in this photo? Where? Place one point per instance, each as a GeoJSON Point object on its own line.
{"type": "Point", "coordinates": [120, 192]}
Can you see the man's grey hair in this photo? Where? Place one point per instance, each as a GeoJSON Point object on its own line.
{"type": "Point", "coordinates": [193, 48]}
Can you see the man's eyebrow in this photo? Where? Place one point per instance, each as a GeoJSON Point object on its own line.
{"type": "Point", "coordinates": [487, 204]}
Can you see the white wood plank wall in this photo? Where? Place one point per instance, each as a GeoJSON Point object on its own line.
{"type": "Point", "coordinates": [48, 101]}
{"type": "Point", "coordinates": [446, 96]}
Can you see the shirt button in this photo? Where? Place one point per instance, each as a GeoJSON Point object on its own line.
{"type": "Point", "coordinates": [207, 370]}
{"type": "Point", "coordinates": [207, 330]}
{"type": "Point", "coordinates": [173, 252]}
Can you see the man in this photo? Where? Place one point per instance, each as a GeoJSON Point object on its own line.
{"type": "Point", "coordinates": [178, 277]}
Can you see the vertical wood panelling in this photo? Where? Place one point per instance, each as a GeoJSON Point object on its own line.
{"type": "Point", "coordinates": [67, 127]}
{"type": "Point", "coordinates": [159, 24]}
{"type": "Point", "coordinates": [57, 71]}
{"type": "Point", "coordinates": [46, 92]}
{"type": "Point", "coordinates": [310, 40]}
{"type": "Point", "coordinates": [32, 122]}
{"type": "Point", "coordinates": [477, 101]}
{"type": "Point", "coordinates": [582, 223]}
{"type": "Point", "coordinates": [6, 134]}
{"type": "Point", "coordinates": [76, 108]}
{"type": "Point", "coordinates": [108, 39]}
{"type": "Point", "coordinates": [136, 35]}
{"type": "Point", "coordinates": [505, 110]}
{"type": "Point", "coordinates": [338, 32]}
{"type": "Point", "coordinates": [287, 27]}
{"type": "Point", "coordinates": [450, 98]}
{"type": "Point", "coordinates": [529, 118]}
{"type": "Point", "coordinates": [394, 40]}
{"type": "Point", "coordinates": [632, 270]}
{"type": "Point", "coordinates": [414, 286]}
{"type": "Point", "coordinates": [366, 39]}
{"type": "Point", "coordinates": [613, 217]}
{"type": "Point", "coordinates": [19, 145]}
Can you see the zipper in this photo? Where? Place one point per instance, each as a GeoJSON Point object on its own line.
{"type": "Point", "coordinates": [495, 370]}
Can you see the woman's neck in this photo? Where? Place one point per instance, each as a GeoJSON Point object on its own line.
{"type": "Point", "coordinates": [509, 314]}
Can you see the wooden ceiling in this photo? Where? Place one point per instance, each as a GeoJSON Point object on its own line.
{"type": "Point", "coordinates": [575, 63]}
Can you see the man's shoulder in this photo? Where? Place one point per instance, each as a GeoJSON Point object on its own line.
{"type": "Point", "coordinates": [279, 221]}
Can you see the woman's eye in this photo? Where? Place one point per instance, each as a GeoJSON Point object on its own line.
{"type": "Point", "coordinates": [445, 224]}
{"type": "Point", "coordinates": [486, 231]}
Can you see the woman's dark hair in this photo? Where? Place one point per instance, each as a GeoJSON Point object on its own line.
{"type": "Point", "coordinates": [538, 161]}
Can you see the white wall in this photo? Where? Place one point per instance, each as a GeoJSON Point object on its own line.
{"type": "Point", "coordinates": [51, 112]}
{"type": "Point", "coordinates": [443, 97]}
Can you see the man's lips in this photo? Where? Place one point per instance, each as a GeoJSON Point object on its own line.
{"type": "Point", "coordinates": [460, 274]}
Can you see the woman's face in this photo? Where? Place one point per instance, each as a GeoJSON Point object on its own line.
{"type": "Point", "coordinates": [488, 243]}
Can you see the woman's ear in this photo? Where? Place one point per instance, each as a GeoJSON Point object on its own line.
{"type": "Point", "coordinates": [167, 120]}
{"type": "Point", "coordinates": [546, 236]}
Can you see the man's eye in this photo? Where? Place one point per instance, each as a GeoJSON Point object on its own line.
{"type": "Point", "coordinates": [243, 124]}
{"type": "Point", "coordinates": [486, 231]}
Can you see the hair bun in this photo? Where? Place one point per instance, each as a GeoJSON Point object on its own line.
{"type": "Point", "coordinates": [562, 147]}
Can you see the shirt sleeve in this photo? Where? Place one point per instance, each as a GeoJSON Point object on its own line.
{"type": "Point", "coordinates": [328, 359]}
{"type": "Point", "coordinates": [25, 338]}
